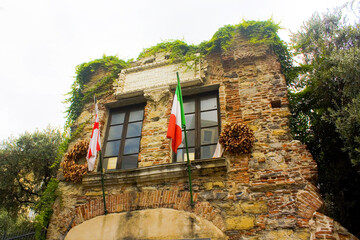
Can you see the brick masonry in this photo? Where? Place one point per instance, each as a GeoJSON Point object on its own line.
{"type": "Point", "coordinates": [267, 194]}
{"type": "Point", "coordinates": [131, 201]}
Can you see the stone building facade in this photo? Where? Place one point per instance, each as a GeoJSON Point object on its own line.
{"type": "Point", "coordinates": [269, 193]}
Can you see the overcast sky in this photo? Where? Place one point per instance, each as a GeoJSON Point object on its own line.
{"type": "Point", "coordinates": [42, 41]}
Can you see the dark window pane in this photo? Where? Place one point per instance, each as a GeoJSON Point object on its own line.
{"type": "Point", "coordinates": [134, 129]}
{"type": "Point", "coordinates": [202, 125]}
{"type": "Point", "coordinates": [209, 119]}
{"type": "Point", "coordinates": [129, 162]}
{"type": "Point", "coordinates": [115, 132]}
{"type": "Point", "coordinates": [190, 138]}
{"type": "Point", "coordinates": [131, 145]}
{"type": "Point", "coordinates": [181, 154]}
{"type": "Point", "coordinates": [190, 121]}
{"type": "Point", "coordinates": [208, 103]}
{"type": "Point", "coordinates": [209, 135]}
{"type": "Point", "coordinates": [189, 106]}
{"type": "Point", "coordinates": [117, 118]}
{"type": "Point", "coordinates": [207, 151]}
{"type": "Point", "coordinates": [112, 148]}
{"type": "Point", "coordinates": [136, 115]}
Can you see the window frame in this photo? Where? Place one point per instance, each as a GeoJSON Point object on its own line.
{"type": "Point", "coordinates": [198, 128]}
{"type": "Point", "coordinates": [127, 110]}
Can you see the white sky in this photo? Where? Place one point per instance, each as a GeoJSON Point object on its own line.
{"type": "Point", "coordinates": [42, 41]}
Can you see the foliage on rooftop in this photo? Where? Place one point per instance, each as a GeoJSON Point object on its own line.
{"type": "Point", "coordinates": [81, 94]}
{"type": "Point", "coordinates": [257, 32]}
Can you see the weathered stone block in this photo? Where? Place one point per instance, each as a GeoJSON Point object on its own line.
{"type": "Point", "coordinates": [145, 164]}
{"type": "Point", "coordinates": [258, 156]}
{"type": "Point", "coordinates": [254, 207]}
{"type": "Point", "coordinates": [240, 223]}
{"type": "Point", "coordinates": [284, 113]}
{"type": "Point", "coordinates": [95, 193]}
{"type": "Point", "coordinates": [211, 185]}
{"type": "Point", "coordinates": [248, 91]}
{"type": "Point", "coordinates": [279, 132]}
{"type": "Point", "coordinates": [285, 234]}
{"type": "Point", "coordinates": [282, 221]}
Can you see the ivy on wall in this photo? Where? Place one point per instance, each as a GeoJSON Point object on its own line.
{"type": "Point", "coordinates": [257, 32]}
{"type": "Point", "coordinates": [44, 208]}
{"type": "Point", "coordinates": [78, 97]}
{"type": "Point", "coordinates": [177, 50]}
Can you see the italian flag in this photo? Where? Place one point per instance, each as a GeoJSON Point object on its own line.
{"type": "Point", "coordinates": [177, 119]}
{"type": "Point", "coordinates": [94, 145]}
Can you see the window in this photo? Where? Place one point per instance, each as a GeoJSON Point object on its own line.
{"type": "Point", "coordinates": [123, 138]}
{"type": "Point", "coordinates": [202, 125]}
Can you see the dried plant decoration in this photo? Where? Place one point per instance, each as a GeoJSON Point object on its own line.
{"type": "Point", "coordinates": [73, 171]}
{"type": "Point", "coordinates": [237, 138]}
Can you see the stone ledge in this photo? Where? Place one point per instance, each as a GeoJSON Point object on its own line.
{"type": "Point", "coordinates": [155, 173]}
{"type": "Point", "coordinates": [132, 81]}
{"type": "Point", "coordinates": [146, 66]}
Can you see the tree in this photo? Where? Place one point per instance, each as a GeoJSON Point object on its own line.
{"type": "Point", "coordinates": [26, 168]}
{"type": "Point", "coordinates": [12, 225]}
{"type": "Point", "coordinates": [325, 101]}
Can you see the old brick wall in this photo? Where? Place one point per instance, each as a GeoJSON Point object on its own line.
{"type": "Point", "coordinates": [267, 194]}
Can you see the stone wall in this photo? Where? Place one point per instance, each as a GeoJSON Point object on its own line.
{"type": "Point", "coordinates": [267, 194]}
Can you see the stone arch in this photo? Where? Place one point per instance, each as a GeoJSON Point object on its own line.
{"type": "Point", "coordinates": [161, 223]}
{"type": "Point", "coordinates": [131, 201]}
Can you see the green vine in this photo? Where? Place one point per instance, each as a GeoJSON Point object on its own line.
{"type": "Point", "coordinates": [179, 50]}
{"type": "Point", "coordinates": [257, 32]}
{"type": "Point", "coordinates": [44, 208]}
{"type": "Point", "coordinates": [266, 32]}
{"type": "Point", "coordinates": [65, 143]}
{"type": "Point", "coordinates": [220, 41]}
{"type": "Point", "coordinates": [81, 94]}
{"type": "Point", "coordinates": [176, 49]}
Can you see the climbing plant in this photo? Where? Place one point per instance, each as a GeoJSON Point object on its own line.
{"type": "Point", "coordinates": [177, 49]}
{"type": "Point", "coordinates": [256, 32]}
{"type": "Point", "coordinates": [44, 208]}
{"type": "Point", "coordinates": [78, 97]}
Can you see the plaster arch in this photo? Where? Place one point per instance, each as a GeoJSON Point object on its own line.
{"type": "Point", "coordinates": [161, 223]}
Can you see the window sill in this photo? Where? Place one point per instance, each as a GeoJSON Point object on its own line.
{"type": "Point", "coordinates": [156, 173]}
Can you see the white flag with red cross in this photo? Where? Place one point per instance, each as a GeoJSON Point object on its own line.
{"type": "Point", "coordinates": [94, 145]}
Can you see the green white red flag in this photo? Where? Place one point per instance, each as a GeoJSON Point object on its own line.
{"type": "Point", "coordinates": [177, 119]}
{"type": "Point", "coordinates": [94, 145]}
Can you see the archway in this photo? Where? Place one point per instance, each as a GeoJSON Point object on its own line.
{"type": "Point", "coordinates": [161, 223]}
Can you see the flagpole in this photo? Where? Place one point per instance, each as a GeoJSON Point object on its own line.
{"type": "Point", "coordinates": [187, 149]}
{"type": "Point", "coordinates": [102, 175]}
{"type": "Point", "coordinates": [102, 182]}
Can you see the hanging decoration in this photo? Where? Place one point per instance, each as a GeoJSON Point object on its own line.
{"type": "Point", "coordinates": [71, 169]}
{"type": "Point", "coordinates": [237, 138]}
